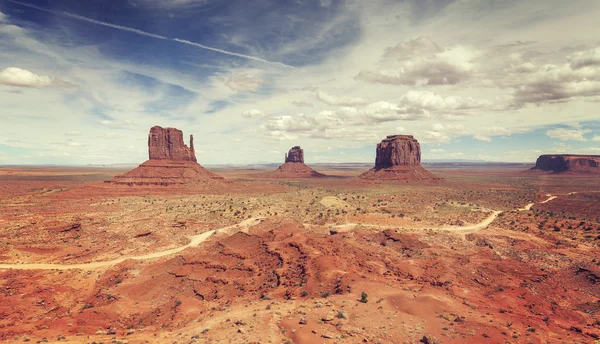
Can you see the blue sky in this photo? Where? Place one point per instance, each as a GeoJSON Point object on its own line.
{"type": "Point", "coordinates": [81, 82]}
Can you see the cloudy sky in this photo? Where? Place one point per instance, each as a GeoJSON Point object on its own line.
{"type": "Point", "coordinates": [499, 80]}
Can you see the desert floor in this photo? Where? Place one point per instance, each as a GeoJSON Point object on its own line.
{"type": "Point", "coordinates": [489, 255]}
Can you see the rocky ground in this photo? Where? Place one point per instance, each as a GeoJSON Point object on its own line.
{"type": "Point", "coordinates": [330, 260]}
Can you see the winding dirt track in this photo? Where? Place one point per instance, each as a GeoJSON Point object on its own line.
{"type": "Point", "coordinates": [478, 226]}
{"type": "Point", "coordinates": [200, 238]}
{"type": "Point", "coordinates": [194, 241]}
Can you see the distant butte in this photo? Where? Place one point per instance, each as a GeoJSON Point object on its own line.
{"type": "Point", "coordinates": [171, 163]}
{"type": "Point", "coordinates": [293, 167]}
{"type": "Point", "coordinates": [560, 163]}
{"type": "Point", "coordinates": [398, 158]}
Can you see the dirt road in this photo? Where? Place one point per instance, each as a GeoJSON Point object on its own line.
{"type": "Point", "coordinates": [194, 241]}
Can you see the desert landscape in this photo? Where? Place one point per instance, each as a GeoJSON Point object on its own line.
{"type": "Point", "coordinates": [300, 172]}
{"type": "Point", "coordinates": [465, 254]}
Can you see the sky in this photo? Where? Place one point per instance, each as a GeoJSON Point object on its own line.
{"type": "Point", "coordinates": [82, 81]}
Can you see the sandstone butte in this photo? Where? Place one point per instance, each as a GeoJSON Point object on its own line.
{"type": "Point", "coordinates": [568, 163]}
{"type": "Point", "coordinates": [293, 167]}
{"type": "Point", "coordinates": [171, 163]}
{"type": "Point", "coordinates": [399, 159]}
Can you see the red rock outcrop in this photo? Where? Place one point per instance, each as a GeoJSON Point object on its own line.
{"type": "Point", "coordinates": [398, 150]}
{"type": "Point", "coordinates": [296, 154]}
{"type": "Point", "coordinates": [293, 167]}
{"type": "Point", "coordinates": [171, 163]}
{"type": "Point", "coordinates": [167, 144]}
{"type": "Point", "coordinates": [399, 159]}
{"type": "Point", "coordinates": [568, 163]}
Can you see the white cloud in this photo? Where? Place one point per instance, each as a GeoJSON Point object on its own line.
{"type": "Point", "coordinates": [384, 111]}
{"type": "Point", "coordinates": [427, 100]}
{"type": "Point", "coordinates": [2, 17]}
{"type": "Point", "coordinates": [337, 101]}
{"type": "Point", "coordinates": [422, 62]}
{"type": "Point", "coordinates": [300, 103]}
{"type": "Point", "coordinates": [480, 137]}
{"type": "Point", "coordinates": [550, 82]}
{"type": "Point", "coordinates": [584, 59]}
{"type": "Point", "coordinates": [437, 150]}
{"type": "Point", "coordinates": [14, 76]}
{"type": "Point", "coordinates": [112, 123]}
{"type": "Point", "coordinates": [568, 134]}
{"type": "Point", "coordinates": [73, 133]}
{"type": "Point", "coordinates": [254, 113]}
{"type": "Point", "coordinates": [245, 81]}
{"type": "Point", "coordinates": [596, 138]}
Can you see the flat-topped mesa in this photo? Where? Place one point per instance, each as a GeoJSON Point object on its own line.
{"type": "Point", "coordinates": [296, 154]}
{"type": "Point", "coordinates": [398, 150]}
{"type": "Point", "coordinates": [568, 162]}
{"type": "Point", "coordinates": [398, 159]}
{"type": "Point", "coordinates": [167, 144]}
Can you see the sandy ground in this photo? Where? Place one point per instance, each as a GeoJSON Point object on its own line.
{"type": "Point", "coordinates": [489, 255]}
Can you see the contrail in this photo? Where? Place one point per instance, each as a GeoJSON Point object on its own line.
{"type": "Point", "coordinates": [148, 34]}
{"type": "Point", "coordinates": [228, 52]}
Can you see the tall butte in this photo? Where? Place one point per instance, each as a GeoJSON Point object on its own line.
{"type": "Point", "coordinates": [293, 167]}
{"type": "Point", "coordinates": [171, 163]}
{"type": "Point", "coordinates": [399, 159]}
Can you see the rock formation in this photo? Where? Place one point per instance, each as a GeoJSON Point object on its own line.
{"type": "Point", "coordinates": [399, 158]}
{"type": "Point", "coordinates": [167, 144]}
{"type": "Point", "coordinates": [293, 167]}
{"type": "Point", "coordinates": [568, 163]}
{"type": "Point", "coordinates": [296, 154]}
{"type": "Point", "coordinates": [397, 150]}
{"type": "Point", "coordinates": [171, 163]}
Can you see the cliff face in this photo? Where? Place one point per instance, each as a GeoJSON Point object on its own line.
{"type": "Point", "coordinates": [398, 150]}
{"type": "Point", "coordinates": [399, 159]}
{"type": "Point", "coordinates": [171, 164]}
{"type": "Point", "coordinates": [296, 154]}
{"type": "Point", "coordinates": [167, 144]}
{"type": "Point", "coordinates": [568, 162]}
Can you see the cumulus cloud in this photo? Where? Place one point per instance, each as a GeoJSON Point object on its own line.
{"type": "Point", "coordinates": [412, 106]}
{"type": "Point", "coordinates": [596, 138]}
{"type": "Point", "coordinates": [384, 111]}
{"type": "Point", "coordinates": [300, 103]}
{"type": "Point", "coordinates": [244, 81]}
{"type": "Point", "coordinates": [550, 83]}
{"type": "Point", "coordinates": [420, 105]}
{"type": "Point", "coordinates": [254, 113]}
{"type": "Point", "coordinates": [564, 134]}
{"type": "Point", "coordinates": [582, 59]}
{"type": "Point", "coordinates": [421, 62]}
{"type": "Point", "coordinates": [2, 17]}
{"type": "Point", "coordinates": [431, 101]}
{"type": "Point", "coordinates": [113, 123]}
{"type": "Point", "coordinates": [14, 76]}
{"type": "Point", "coordinates": [73, 133]}
{"type": "Point", "coordinates": [337, 100]}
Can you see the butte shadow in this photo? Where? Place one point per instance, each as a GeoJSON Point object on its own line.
{"type": "Point", "coordinates": [293, 167]}
{"type": "Point", "coordinates": [399, 160]}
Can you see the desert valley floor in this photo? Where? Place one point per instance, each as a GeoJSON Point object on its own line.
{"type": "Point", "coordinates": [490, 254]}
